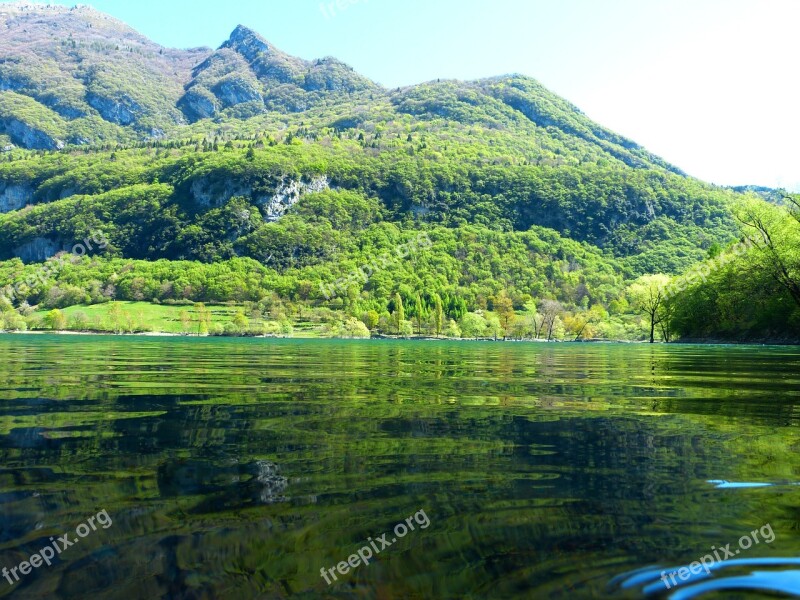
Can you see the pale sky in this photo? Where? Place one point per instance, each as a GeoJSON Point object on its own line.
{"type": "Point", "coordinates": [710, 85]}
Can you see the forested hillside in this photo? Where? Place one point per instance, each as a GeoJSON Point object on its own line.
{"type": "Point", "coordinates": [245, 175]}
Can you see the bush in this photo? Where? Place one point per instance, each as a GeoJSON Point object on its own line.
{"type": "Point", "coordinates": [55, 320]}
{"type": "Point", "coordinates": [272, 328]}
{"type": "Point", "coordinates": [406, 329]}
{"type": "Point", "coordinates": [79, 321]}
{"type": "Point", "coordinates": [452, 330]}
{"type": "Point", "coordinates": [353, 328]}
{"type": "Point", "coordinates": [13, 321]}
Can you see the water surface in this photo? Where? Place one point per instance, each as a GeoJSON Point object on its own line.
{"type": "Point", "coordinates": [240, 468]}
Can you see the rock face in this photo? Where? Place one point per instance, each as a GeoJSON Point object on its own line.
{"type": "Point", "coordinates": [286, 195]}
{"type": "Point", "coordinates": [209, 195]}
{"type": "Point", "coordinates": [289, 193]}
{"type": "Point", "coordinates": [235, 91]}
{"type": "Point", "coordinates": [37, 250]}
{"type": "Point", "coordinates": [14, 197]}
{"type": "Point", "coordinates": [28, 136]}
{"type": "Point", "coordinates": [122, 111]}
{"type": "Point", "coordinates": [198, 104]}
{"type": "Point", "coordinates": [248, 43]}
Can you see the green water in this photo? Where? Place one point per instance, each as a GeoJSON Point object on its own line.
{"type": "Point", "coordinates": [240, 468]}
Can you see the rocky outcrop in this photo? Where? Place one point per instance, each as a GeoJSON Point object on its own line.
{"type": "Point", "coordinates": [198, 104]}
{"type": "Point", "coordinates": [210, 195]}
{"type": "Point", "coordinates": [14, 196]}
{"type": "Point", "coordinates": [289, 193]}
{"type": "Point", "coordinates": [28, 136]}
{"type": "Point", "coordinates": [37, 250]}
{"type": "Point", "coordinates": [122, 111]}
{"type": "Point", "coordinates": [248, 43]}
{"type": "Point", "coordinates": [286, 195]}
{"type": "Point", "coordinates": [234, 90]}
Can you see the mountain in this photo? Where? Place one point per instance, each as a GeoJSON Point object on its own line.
{"type": "Point", "coordinates": [252, 76]}
{"type": "Point", "coordinates": [244, 173]}
{"type": "Point", "coordinates": [75, 76]}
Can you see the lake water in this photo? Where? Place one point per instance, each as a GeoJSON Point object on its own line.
{"type": "Point", "coordinates": [241, 468]}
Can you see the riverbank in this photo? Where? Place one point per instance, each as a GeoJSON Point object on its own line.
{"type": "Point", "coordinates": [146, 319]}
{"type": "Point", "coordinates": [162, 334]}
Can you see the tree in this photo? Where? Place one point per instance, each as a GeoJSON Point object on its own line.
{"type": "Point", "coordinates": [775, 232]}
{"type": "Point", "coordinates": [116, 316]}
{"type": "Point", "coordinates": [473, 325]}
{"type": "Point", "coordinates": [438, 315]}
{"type": "Point", "coordinates": [504, 308]}
{"type": "Point", "coordinates": [406, 329]}
{"type": "Point", "coordinates": [240, 321]}
{"type": "Point", "coordinates": [13, 321]}
{"type": "Point", "coordinates": [418, 314]}
{"type": "Point", "coordinates": [371, 319]}
{"type": "Point", "coordinates": [580, 323]}
{"type": "Point", "coordinates": [453, 330]}
{"type": "Point", "coordinates": [55, 320]}
{"type": "Point", "coordinates": [354, 328]}
{"type": "Point", "coordinates": [648, 294]}
{"type": "Point", "coordinates": [550, 310]}
{"type": "Point", "coordinates": [399, 315]}
{"type": "Point", "coordinates": [493, 326]}
{"type": "Point", "coordinates": [668, 310]}
{"type": "Point", "coordinates": [79, 321]}
{"type": "Point", "coordinates": [186, 321]}
{"type": "Point", "coordinates": [203, 318]}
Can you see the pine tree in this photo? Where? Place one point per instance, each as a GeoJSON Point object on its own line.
{"type": "Point", "coordinates": [438, 314]}
{"type": "Point", "coordinates": [418, 314]}
{"type": "Point", "coordinates": [399, 312]}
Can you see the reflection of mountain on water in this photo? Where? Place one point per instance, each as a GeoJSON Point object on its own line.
{"type": "Point", "coordinates": [274, 484]}
{"type": "Point", "coordinates": [222, 485]}
{"type": "Point", "coordinates": [655, 581]}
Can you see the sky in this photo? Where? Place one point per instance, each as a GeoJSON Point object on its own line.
{"type": "Point", "coordinates": [710, 85]}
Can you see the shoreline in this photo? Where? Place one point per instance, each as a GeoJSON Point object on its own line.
{"type": "Point", "coordinates": [379, 337]}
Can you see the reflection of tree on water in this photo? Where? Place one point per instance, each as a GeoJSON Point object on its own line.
{"type": "Point", "coordinates": [222, 485]}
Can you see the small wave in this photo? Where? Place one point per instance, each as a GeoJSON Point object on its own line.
{"type": "Point", "coordinates": [655, 580]}
{"type": "Point", "coordinates": [721, 484]}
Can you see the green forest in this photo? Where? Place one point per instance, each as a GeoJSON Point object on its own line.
{"type": "Point", "coordinates": [517, 251]}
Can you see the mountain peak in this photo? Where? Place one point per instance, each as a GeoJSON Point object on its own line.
{"type": "Point", "coordinates": [247, 42]}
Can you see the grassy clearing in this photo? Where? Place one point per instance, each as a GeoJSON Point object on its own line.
{"type": "Point", "coordinates": [148, 317]}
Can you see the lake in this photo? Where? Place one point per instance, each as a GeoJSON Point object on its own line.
{"type": "Point", "coordinates": [260, 468]}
